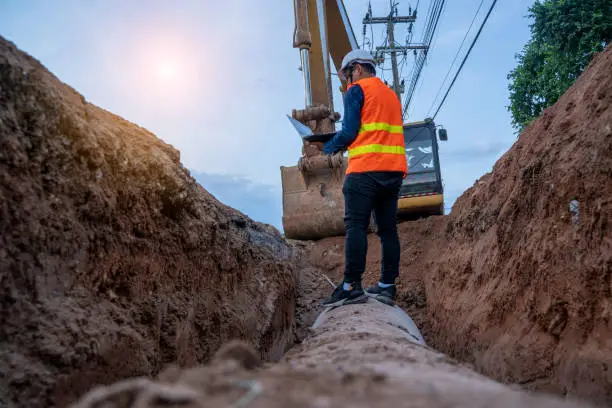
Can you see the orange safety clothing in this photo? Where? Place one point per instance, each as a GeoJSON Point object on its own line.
{"type": "Point", "coordinates": [379, 146]}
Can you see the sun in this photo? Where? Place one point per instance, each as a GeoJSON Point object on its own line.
{"type": "Point", "coordinates": [166, 73]}
{"type": "Point", "coordinates": [166, 69]}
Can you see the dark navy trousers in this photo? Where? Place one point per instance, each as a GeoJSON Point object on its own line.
{"type": "Point", "coordinates": [365, 193]}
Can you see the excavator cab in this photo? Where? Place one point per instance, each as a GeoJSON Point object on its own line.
{"type": "Point", "coordinates": [422, 192]}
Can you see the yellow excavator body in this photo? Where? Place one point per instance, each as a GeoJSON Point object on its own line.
{"type": "Point", "coordinates": [422, 192]}
{"type": "Point", "coordinates": [313, 203]}
{"type": "Point", "coordinates": [420, 204]}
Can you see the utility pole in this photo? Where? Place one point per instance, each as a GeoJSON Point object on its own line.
{"type": "Point", "coordinates": [391, 47]}
{"type": "Point", "coordinates": [391, 36]}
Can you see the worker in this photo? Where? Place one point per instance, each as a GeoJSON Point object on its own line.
{"type": "Point", "coordinates": [372, 132]}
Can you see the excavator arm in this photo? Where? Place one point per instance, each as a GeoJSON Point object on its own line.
{"type": "Point", "coordinates": [313, 204]}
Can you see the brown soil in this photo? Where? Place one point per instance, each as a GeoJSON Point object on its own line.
{"type": "Point", "coordinates": [113, 260]}
{"type": "Point", "coordinates": [312, 287]}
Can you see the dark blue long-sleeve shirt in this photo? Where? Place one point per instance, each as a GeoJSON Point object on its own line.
{"type": "Point", "coordinates": [353, 102]}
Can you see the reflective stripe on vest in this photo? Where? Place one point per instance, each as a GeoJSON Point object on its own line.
{"type": "Point", "coordinates": [381, 126]}
{"type": "Point", "coordinates": [376, 148]}
{"type": "Point", "coordinates": [379, 145]}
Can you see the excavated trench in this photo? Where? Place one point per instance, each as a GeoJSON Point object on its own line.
{"type": "Point", "coordinates": [359, 355]}
{"type": "Point", "coordinates": [116, 265]}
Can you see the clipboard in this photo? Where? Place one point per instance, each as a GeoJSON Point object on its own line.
{"type": "Point", "coordinates": [306, 133]}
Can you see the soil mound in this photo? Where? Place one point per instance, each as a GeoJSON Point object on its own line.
{"type": "Point", "coordinates": [113, 260]}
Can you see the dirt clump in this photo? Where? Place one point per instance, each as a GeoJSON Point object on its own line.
{"type": "Point", "coordinates": [113, 261]}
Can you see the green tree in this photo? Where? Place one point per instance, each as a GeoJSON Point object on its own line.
{"type": "Point", "coordinates": [564, 36]}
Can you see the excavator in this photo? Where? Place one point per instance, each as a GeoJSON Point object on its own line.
{"type": "Point", "coordinates": [313, 203]}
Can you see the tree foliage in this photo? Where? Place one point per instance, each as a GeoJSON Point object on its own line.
{"type": "Point", "coordinates": [564, 36]}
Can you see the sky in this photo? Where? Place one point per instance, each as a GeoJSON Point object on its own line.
{"type": "Point", "coordinates": [215, 79]}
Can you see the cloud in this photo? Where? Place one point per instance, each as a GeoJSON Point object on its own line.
{"type": "Point", "coordinates": [262, 202]}
{"type": "Point", "coordinates": [477, 150]}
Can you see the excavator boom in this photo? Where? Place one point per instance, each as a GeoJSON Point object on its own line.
{"type": "Point", "coordinates": [322, 30]}
{"type": "Point", "coordinates": [313, 204]}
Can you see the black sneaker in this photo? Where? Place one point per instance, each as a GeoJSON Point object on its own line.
{"type": "Point", "coordinates": [385, 295]}
{"type": "Point", "coordinates": [339, 296]}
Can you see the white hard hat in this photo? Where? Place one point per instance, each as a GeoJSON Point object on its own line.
{"type": "Point", "coordinates": [357, 56]}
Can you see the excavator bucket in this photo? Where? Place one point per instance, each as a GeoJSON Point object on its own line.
{"type": "Point", "coordinates": [313, 204]}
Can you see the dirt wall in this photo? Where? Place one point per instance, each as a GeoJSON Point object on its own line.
{"type": "Point", "coordinates": [524, 291]}
{"type": "Point", "coordinates": [113, 260]}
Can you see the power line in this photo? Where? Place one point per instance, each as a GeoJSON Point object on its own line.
{"type": "Point", "coordinates": [465, 58]}
{"type": "Point", "coordinates": [456, 56]}
{"type": "Point", "coordinates": [433, 18]}
{"type": "Point", "coordinates": [434, 35]}
{"type": "Point", "coordinates": [418, 65]}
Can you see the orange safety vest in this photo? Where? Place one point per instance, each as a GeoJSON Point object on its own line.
{"type": "Point", "coordinates": [379, 146]}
